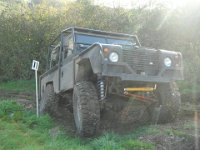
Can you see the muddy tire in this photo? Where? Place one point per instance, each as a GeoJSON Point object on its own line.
{"type": "Point", "coordinates": [48, 102]}
{"type": "Point", "coordinates": [169, 103]}
{"type": "Point", "coordinates": [86, 109]}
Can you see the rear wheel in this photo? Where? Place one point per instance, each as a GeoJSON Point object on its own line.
{"type": "Point", "coordinates": [169, 103]}
{"type": "Point", "coordinates": [48, 102]}
{"type": "Point", "coordinates": [86, 109]}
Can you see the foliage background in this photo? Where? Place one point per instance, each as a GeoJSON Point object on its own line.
{"type": "Point", "coordinates": [26, 28]}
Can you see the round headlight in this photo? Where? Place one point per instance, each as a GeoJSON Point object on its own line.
{"type": "Point", "coordinates": [168, 62]}
{"type": "Point", "coordinates": [114, 57]}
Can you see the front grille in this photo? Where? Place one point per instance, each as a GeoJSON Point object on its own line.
{"type": "Point", "coordinates": [144, 62]}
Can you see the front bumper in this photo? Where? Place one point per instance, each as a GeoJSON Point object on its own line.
{"type": "Point", "coordinates": [126, 73]}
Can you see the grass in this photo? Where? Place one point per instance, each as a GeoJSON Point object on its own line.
{"type": "Point", "coordinates": [18, 86]}
{"type": "Point", "coordinates": [20, 129]}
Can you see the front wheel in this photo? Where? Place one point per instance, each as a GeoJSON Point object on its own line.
{"type": "Point", "coordinates": [86, 109]}
{"type": "Point", "coordinates": [169, 103]}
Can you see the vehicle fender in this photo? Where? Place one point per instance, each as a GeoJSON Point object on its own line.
{"type": "Point", "coordinates": [88, 63]}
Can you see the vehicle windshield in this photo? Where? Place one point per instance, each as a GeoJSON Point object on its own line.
{"type": "Point", "coordinates": [91, 39]}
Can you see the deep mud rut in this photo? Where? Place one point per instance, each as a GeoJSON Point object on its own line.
{"type": "Point", "coordinates": [120, 118]}
{"type": "Point", "coordinates": [184, 133]}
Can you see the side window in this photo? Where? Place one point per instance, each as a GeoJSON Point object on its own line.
{"type": "Point", "coordinates": [54, 56]}
{"type": "Point", "coordinates": [68, 45]}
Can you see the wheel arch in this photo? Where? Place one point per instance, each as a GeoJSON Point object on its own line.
{"type": "Point", "coordinates": [43, 87]}
{"type": "Point", "coordinates": [85, 70]}
{"type": "Point", "coordinates": [89, 62]}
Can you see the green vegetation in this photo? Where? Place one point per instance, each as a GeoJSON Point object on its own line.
{"type": "Point", "coordinates": [18, 86]}
{"type": "Point", "coordinates": [20, 129]}
{"type": "Point", "coordinates": [26, 29]}
{"type": "Point", "coordinates": [135, 145]}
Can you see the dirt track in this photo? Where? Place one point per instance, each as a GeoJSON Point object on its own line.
{"type": "Point", "coordinates": [183, 134]}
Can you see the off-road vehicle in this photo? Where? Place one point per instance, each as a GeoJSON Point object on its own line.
{"type": "Point", "coordinates": [91, 66]}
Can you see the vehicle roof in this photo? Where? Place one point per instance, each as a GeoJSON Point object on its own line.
{"type": "Point", "coordinates": [99, 32]}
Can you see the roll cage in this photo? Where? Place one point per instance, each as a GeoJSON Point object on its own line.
{"type": "Point", "coordinates": [74, 40]}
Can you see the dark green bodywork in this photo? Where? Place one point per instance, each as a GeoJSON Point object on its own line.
{"type": "Point", "coordinates": [74, 62]}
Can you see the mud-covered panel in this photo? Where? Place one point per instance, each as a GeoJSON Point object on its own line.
{"type": "Point", "coordinates": [49, 78]}
{"type": "Point", "coordinates": [67, 76]}
{"type": "Point", "coordinates": [88, 62]}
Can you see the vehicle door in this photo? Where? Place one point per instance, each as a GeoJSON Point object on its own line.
{"type": "Point", "coordinates": [67, 71]}
{"type": "Point", "coordinates": [52, 75]}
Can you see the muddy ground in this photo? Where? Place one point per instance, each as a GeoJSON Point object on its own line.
{"type": "Point", "coordinates": [182, 134]}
